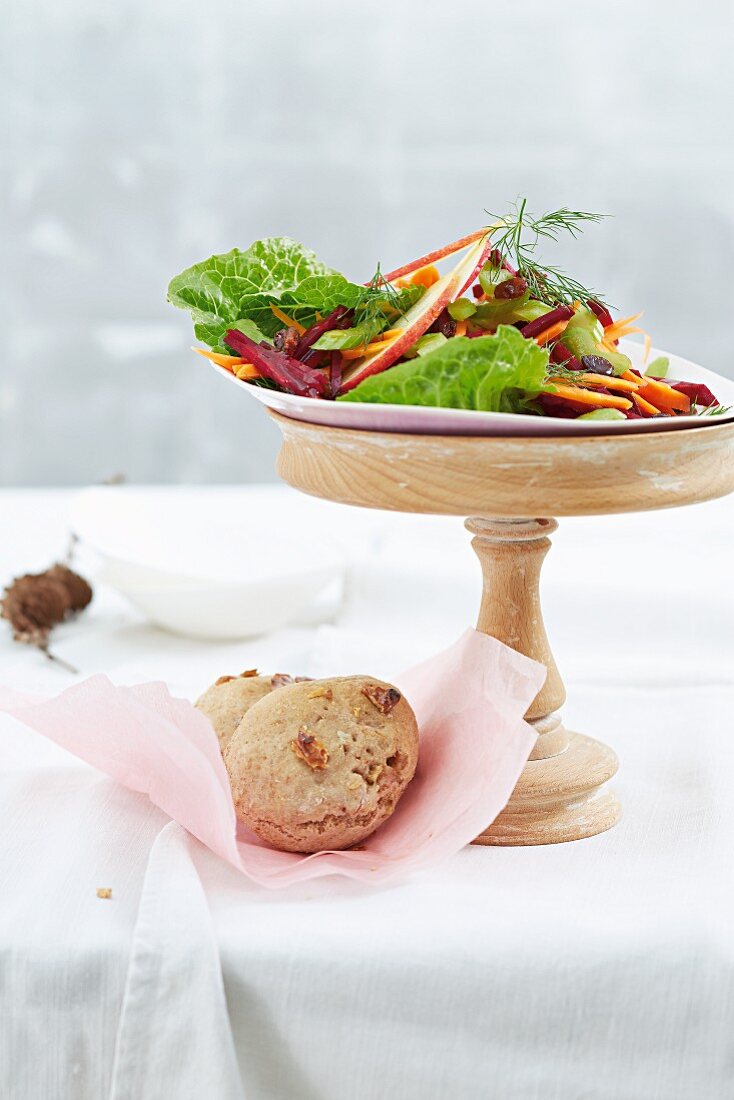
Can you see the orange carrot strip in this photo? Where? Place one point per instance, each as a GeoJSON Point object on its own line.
{"type": "Point", "coordinates": [228, 361]}
{"type": "Point", "coordinates": [610, 382]}
{"type": "Point", "coordinates": [246, 372]}
{"type": "Point", "coordinates": [645, 406]}
{"type": "Point", "coordinates": [425, 276]}
{"type": "Point", "coordinates": [461, 328]}
{"type": "Point", "coordinates": [289, 321]}
{"type": "Point", "coordinates": [613, 333]}
{"type": "Point", "coordinates": [623, 321]}
{"type": "Point", "coordinates": [664, 396]}
{"type": "Point", "coordinates": [551, 333]}
{"type": "Point", "coordinates": [437, 254]}
{"type": "Point", "coordinates": [620, 333]}
{"type": "Point", "coordinates": [368, 349]}
{"type": "Point", "coordinates": [589, 397]}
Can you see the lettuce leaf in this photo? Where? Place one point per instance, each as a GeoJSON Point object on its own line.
{"type": "Point", "coordinates": [237, 286]}
{"type": "Point", "coordinates": [499, 373]}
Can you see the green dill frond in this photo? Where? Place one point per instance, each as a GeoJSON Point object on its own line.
{"type": "Point", "coordinates": [517, 237]}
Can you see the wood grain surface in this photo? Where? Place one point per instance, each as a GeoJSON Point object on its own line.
{"type": "Point", "coordinates": [535, 476]}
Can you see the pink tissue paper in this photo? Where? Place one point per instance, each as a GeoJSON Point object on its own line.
{"type": "Point", "coordinates": [469, 701]}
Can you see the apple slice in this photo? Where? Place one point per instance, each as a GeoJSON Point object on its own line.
{"type": "Point", "coordinates": [421, 316]}
{"type": "Point", "coordinates": [438, 254]}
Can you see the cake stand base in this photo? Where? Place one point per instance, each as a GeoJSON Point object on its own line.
{"type": "Point", "coordinates": [511, 486]}
{"type": "Point", "coordinates": [560, 798]}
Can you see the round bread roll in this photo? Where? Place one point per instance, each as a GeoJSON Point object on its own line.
{"type": "Point", "coordinates": [227, 700]}
{"type": "Point", "coordinates": [320, 765]}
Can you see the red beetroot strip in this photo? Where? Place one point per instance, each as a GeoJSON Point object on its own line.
{"type": "Point", "coordinates": [600, 311]}
{"type": "Point", "coordinates": [335, 372]}
{"type": "Point", "coordinates": [278, 367]}
{"type": "Point", "coordinates": [534, 328]}
{"type": "Point", "coordinates": [699, 393]}
{"type": "Point", "coordinates": [561, 354]}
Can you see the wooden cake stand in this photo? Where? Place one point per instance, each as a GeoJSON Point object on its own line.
{"type": "Point", "coordinates": [500, 482]}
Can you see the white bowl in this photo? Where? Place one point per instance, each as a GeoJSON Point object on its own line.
{"type": "Point", "coordinates": [208, 563]}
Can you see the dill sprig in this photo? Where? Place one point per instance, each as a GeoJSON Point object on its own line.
{"type": "Point", "coordinates": [559, 371]}
{"type": "Point", "coordinates": [381, 301]}
{"type": "Point", "coordinates": [518, 235]}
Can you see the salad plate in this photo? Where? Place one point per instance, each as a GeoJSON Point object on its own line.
{"type": "Point", "coordinates": [502, 344]}
{"type": "Point", "coordinates": [426, 420]}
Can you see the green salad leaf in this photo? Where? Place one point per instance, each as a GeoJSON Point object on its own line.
{"type": "Point", "coordinates": [212, 333]}
{"type": "Point", "coordinates": [237, 289]}
{"type": "Point", "coordinates": [499, 373]}
{"type": "Point", "coordinates": [381, 306]}
{"type": "Point", "coordinates": [226, 290]}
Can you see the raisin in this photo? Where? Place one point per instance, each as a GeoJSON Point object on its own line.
{"type": "Point", "coordinates": [596, 364]}
{"type": "Point", "coordinates": [511, 288]}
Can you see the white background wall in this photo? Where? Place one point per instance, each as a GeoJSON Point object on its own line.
{"type": "Point", "coordinates": [138, 136]}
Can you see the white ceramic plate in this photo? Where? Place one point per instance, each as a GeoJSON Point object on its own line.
{"type": "Point", "coordinates": [216, 563]}
{"type": "Point", "coordinates": [415, 420]}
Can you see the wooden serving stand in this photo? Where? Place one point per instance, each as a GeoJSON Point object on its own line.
{"type": "Point", "coordinates": [499, 482]}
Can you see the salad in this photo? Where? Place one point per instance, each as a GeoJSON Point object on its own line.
{"type": "Point", "coordinates": [500, 332]}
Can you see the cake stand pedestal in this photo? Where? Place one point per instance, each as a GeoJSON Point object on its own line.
{"type": "Point", "coordinates": [511, 487]}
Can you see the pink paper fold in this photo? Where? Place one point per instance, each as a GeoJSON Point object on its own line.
{"type": "Point", "coordinates": [469, 702]}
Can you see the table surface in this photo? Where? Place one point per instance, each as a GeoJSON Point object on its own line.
{"type": "Point", "coordinates": [602, 969]}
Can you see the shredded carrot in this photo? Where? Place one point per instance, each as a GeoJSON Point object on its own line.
{"type": "Point", "coordinates": [610, 382]}
{"type": "Point", "coordinates": [228, 361]}
{"type": "Point", "coordinates": [645, 406]}
{"type": "Point", "coordinates": [289, 321]}
{"type": "Point", "coordinates": [247, 372]}
{"type": "Point", "coordinates": [664, 396]}
{"type": "Point", "coordinates": [646, 352]}
{"type": "Point", "coordinates": [390, 334]}
{"type": "Point", "coordinates": [461, 328]}
{"type": "Point", "coordinates": [589, 397]}
{"type": "Point", "coordinates": [620, 328]}
{"type": "Point", "coordinates": [425, 276]}
{"type": "Point", "coordinates": [551, 333]}
{"type": "Point", "coordinates": [624, 321]}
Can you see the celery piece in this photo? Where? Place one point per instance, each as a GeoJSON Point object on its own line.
{"type": "Point", "coordinates": [659, 367]}
{"type": "Point", "coordinates": [603, 414]}
{"type": "Point", "coordinates": [462, 309]}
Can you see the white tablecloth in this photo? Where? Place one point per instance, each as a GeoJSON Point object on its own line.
{"type": "Point", "coordinates": [602, 969]}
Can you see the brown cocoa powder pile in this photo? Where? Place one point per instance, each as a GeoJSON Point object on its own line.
{"type": "Point", "coordinates": [36, 602]}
